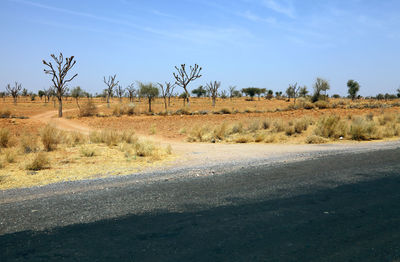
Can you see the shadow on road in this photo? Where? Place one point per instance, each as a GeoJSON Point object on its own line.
{"type": "Point", "coordinates": [358, 222]}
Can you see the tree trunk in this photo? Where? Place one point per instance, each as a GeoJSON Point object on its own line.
{"type": "Point", "coordinates": [165, 103]}
{"type": "Point", "coordinates": [149, 104]}
{"type": "Point", "coordinates": [169, 101]}
{"type": "Point", "coordinates": [213, 101]}
{"type": "Point", "coordinates": [60, 114]}
{"type": "Point", "coordinates": [15, 100]}
{"type": "Point", "coordinates": [108, 101]}
{"type": "Point", "coordinates": [77, 103]}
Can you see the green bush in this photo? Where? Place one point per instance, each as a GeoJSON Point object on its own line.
{"type": "Point", "coordinates": [331, 126]}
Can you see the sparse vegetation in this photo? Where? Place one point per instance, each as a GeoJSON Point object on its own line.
{"type": "Point", "coordinates": [39, 162]}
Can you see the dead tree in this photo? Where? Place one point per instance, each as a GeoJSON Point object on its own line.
{"type": "Point", "coordinates": [183, 78]}
{"type": "Point", "coordinates": [110, 87]}
{"type": "Point", "coordinates": [59, 75]}
{"type": "Point", "coordinates": [120, 92]}
{"type": "Point", "coordinates": [166, 92]}
{"type": "Point", "coordinates": [131, 92]}
{"type": "Point", "coordinates": [14, 90]}
{"type": "Point", "coordinates": [213, 88]}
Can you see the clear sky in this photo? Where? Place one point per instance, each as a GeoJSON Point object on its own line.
{"type": "Point", "coordinates": [261, 43]}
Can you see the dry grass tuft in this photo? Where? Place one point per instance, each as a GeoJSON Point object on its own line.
{"type": "Point", "coordinates": [28, 144]}
{"type": "Point", "coordinates": [361, 129]}
{"type": "Point", "coordinates": [88, 151]}
{"type": "Point", "coordinates": [39, 162]}
{"type": "Point", "coordinates": [50, 137]}
{"type": "Point", "coordinates": [88, 109]}
{"type": "Point", "coordinates": [4, 137]}
{"type": "Point", "coordinates": [314, 139]}
{"type": "Point", "coordinates": [331, 126]}
{"type": "Point", "coordinates": [10, 155]}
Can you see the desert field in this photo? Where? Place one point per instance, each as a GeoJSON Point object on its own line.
{"type": "Point", "coordinates": [37, 148]}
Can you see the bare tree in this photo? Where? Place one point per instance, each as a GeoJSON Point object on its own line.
{"type": "Point", "coordinates": [59, 75]}
{"type": "Point", "coordinates": [231, 91]}
{"type": "Point", "coordinates": [131, 92]}
{"type": "Point", "coordinates": [120, 92]}
{"type": "Point", "coordinates": [166, 92]}
{"type": "Point", "coordinates": [213, 88]}
{"type": "Point", "coordinates": [14, 90]}
{"type": "Point", "coordinates": [183, 78]}
{"type": "Point", "coordinates": [110, 87]}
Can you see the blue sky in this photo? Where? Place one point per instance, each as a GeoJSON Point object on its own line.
{"type": "Point", "coordinates": [262, 43]}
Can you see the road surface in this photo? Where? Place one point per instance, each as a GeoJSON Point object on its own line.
{"type": "Point", "coordinates": [340, 207]}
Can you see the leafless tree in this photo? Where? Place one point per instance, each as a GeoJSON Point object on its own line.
{"type": "Point", "coordinates": [183, 78]}
{"type": "Point", "coordinates": [14, 90]}
{"type": "Point", "coordinates": [59, 75]}
{"type": "Point", "coordinates": [166, 92]}
{"type": "Point", "coordinates": [213, 88]}
{"type": "Point", "coordinates": [131, 92]}
{"type": "Point", "coordinates": [110, 87]}
{"type": "Point", "coordinates": [120, 92]}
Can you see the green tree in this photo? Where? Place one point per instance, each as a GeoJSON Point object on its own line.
{"type": "Point", "coordinates": [149, 91]}
{"type": "Point", "coordinates": [321, 85]}
{"type": "Point", "coordinates": [354, 87]}
{"type": "Point", "coordinates": [76, 93]}
{"type": "Point", "coordinates": [200, 91]}
{"type": "Point", "coordinates": [303, 91]}
{"type": "Point", "coordinates": [251, 91]}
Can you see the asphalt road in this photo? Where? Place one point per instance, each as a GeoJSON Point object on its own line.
{"type": "Point", "coordinates": [342, 207]}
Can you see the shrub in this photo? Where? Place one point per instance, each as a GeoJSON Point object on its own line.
{"type": "Point", "coordinates": [144, 148]}
{"type": "Point", "coordinates": [330, 127]}
{"type": "Point", "coordinates": [153, 130]}
{"type": "Point", "coordinates": [386, 118]}
{"type": "Point", "coordinates": [88, 151]}
{"type": "Point", "coordinates": [50, 137]}
{"type": "Point", "coordinates": [243, 139]}
{"type": "Point", "coordinates": [198, 134]}
{"type": "Point", "coordinates": [74, 138]}
{"type": "Point", "coordinates": [4, 137]}
{"type": "Point", "coordinates": [168, 150]}
{"type": "Point", "coordinates": [289, 130]}
{"type": "Point", "coordinates": [10, 155]}
{"type": "Point", "coordinates": [5, 113]}
{"type": "Point", "coordinates": [321, 104]}
{"type": "Point", "coordinates": [28, 144]}
{"type": "Point", "coordinates": [129, 137]}
{"type": "Point", "coordinates": [314, 139]}
{"type": "Point", "coordinates": [254, 126]}
{"type": "Point", "coordinates": [278, 126]}
{"type": "Point", "coordinates": [225, 111]}
{"type": "Point", "coordinates": [301, 125]}
{"type": "Point", "coordinates": [39, 162]}
{"type": "Point", "coordinates": [259, 137]}
{"type": "Point", "coordinates": [110, 137]}
{"type": "Point", "coordinates": [220, 132]}
{"type": "Point", "coordinates": [361, 129]}
{"type": "Point", "coordinates": [266, 124]}
{"type": "Point", "coordinates": [236, 128]}
{"type": "Point", "coordinates": [88, 109]}
{"type": "Point", "coordinates": [183, 111]}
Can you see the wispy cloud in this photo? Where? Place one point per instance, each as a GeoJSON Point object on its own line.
{"type": "Point", "coordinates": [281, 6]}
{"type": "Point", "coordinates": [197, 34]}
{"type": "Point", "coordinates": [255, 18]}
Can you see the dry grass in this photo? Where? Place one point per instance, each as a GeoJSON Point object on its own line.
{"type": "Point", "coordinates": [50, 137]}
{"type": "Point", "coordinates": [114, 153]}
{"type": "Point", "coordinates": [39, 162]}
{"type": "Point", "coordinates": [88, 109]}
{"type": "Point", "coordinates": [4, 137]}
